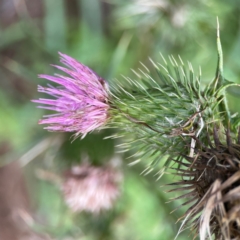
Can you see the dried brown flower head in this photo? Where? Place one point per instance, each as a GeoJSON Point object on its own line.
{"type": "Point", "coordinates": [90, 188]}
{"type": "Point", "coordinates": [211, 179]}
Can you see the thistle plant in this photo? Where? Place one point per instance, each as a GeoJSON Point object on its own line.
{"type": "Point", "coordinates": [164, 116]}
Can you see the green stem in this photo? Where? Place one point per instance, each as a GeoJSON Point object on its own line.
{"type": "Point", "coordinates": [219, 79]}
{"type": "Point", "coordinates": [219, 72]}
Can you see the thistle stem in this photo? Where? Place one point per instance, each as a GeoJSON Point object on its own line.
{"type": "Point", "coordinates": [219, 79]}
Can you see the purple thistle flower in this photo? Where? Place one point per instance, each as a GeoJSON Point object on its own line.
{"type": "Point", "coordinates": [81, 99]}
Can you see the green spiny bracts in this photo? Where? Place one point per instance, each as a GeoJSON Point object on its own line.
{"type": "Point", "coordinates": [161, 115]}
{"type": "Point", "coordinates": [157, 115]}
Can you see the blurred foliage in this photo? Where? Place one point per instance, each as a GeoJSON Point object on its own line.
{"type": "Point", "coordinates": [110, 37]}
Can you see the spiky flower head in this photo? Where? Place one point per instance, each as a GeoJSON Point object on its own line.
{"type": "Point", "coordinates": [81, 99]}
{"type": "Point", "coordinates": [211, 184]}
{"type": "Point", "coordinates": [90, 188]}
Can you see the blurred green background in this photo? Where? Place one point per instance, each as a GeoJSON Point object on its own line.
{"type": "Point", "coordinates": [112, 37]}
